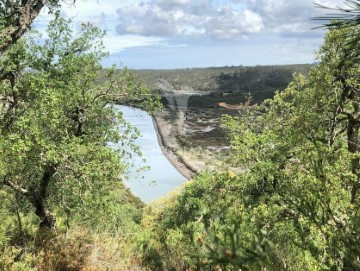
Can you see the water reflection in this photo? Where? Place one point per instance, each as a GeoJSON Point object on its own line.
{"type": "Point", "coordinates": [162, 177]}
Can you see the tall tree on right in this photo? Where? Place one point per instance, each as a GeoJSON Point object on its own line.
{"type": "Point", "coordinates": [296, 204]}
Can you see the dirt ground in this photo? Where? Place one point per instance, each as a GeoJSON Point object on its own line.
{"type": "Point", "coordinates": [195, 143]}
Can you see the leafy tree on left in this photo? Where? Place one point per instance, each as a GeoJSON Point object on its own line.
{"type": "Point", "coordinates": [57, 118]}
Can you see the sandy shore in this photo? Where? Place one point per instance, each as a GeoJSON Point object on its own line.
{"type": "Point", "coordinates": [191, 159]}
{"type": "Point", "coordinates": [186, 170]}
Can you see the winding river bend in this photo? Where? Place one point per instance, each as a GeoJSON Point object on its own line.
{"type": "Point", "coordinates": [162, 177]}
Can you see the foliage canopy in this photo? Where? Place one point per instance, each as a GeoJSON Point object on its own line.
{"type": "Point", "coordinates": [58, 118]}
{"type": "Point", "coordinates": [296, 206]}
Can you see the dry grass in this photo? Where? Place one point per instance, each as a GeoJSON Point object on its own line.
{"type": "Point", "coordinates": [79, 250]}
{"type": "Point", "coordinates": [112, 253]}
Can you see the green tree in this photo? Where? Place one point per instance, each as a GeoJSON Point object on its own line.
{"type": "Point", "coordinates": [296, 206]}
{"type": "Point", "coordinates": [58, 118]}
{"type": "Point", "coordinates": [303, 154]}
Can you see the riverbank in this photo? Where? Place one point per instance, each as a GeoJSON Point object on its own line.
{"type": "Point", "coordinates": [169, 152]}
{"type": "Point", "coordinates": [151, 175]}
{"type": "Point", "coordinates": [190, 157]}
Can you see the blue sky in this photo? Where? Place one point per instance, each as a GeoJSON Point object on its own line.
{"type": "Point", "coordinates": [162, 34]}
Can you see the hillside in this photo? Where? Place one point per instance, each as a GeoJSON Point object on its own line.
{"type": "Point", "coordinates": [195, 101]}
{"type": "Point", "coordinates": [225, 83]}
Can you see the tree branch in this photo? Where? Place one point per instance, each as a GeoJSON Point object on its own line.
{"type": "Point", "coordinates": [27, 12]}
{"type": "Point", "coordinates": [14, 186]}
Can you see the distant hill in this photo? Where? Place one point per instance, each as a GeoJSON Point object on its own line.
{"type": "Point", "coordinates": [226, 84]}
{"type": "Point", "coordinates": [189, 122]}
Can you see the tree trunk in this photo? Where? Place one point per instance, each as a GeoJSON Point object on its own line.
{"type": "Point", "coordinates": [27, 11]}
{"type": "Point", "coordinates": [47, 218]}
{"type": "Point", "coordinates": [39, 197]}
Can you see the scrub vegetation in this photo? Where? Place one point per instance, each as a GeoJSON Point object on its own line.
{"type": "Point", "coordinates": [60, 177]}
{"type": "Point", "coordinates": [224, 82]}
{"type": "Point", "coordinates": [294, 206]}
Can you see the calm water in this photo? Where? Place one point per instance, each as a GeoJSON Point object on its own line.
{"type": "Point", "coordinates": [162, 177]}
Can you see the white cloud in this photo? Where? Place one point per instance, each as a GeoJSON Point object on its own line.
{"type": "Point", "coordinates": [223, 20]}
{"type": "Point", "coordinates": [286, 15]}
{"type": "Point", "coordinates": [148, 20]}
{"type": "Point", "coordinates": [91, 8]}
{"type": "Point", "coordinates": [240, 31]}
{"type": "Point", "coordinates": [101, 14]}
{"type": "Point", "coordinates": [229, 24]}
{"type": "Point", "coordinates": [171, 4]}
{"type": "Point", "coordinates": [118, 43]}
{"type": "Point", "coordinates": [217, 19]}
{"type": "Point", "coordinates": [184, 18]}
{"type": "Point", "coordinates": [331, 3]}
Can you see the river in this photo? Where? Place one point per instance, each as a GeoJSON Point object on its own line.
{"type": "Point", "coordinates": [161, 177]}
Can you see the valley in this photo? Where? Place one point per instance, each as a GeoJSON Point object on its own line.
{"type": "Point", "coordinates": [195, 101]}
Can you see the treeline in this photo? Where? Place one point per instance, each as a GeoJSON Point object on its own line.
{"type": "Point", "coordinates": [233, 81]}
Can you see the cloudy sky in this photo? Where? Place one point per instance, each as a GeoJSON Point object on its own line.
{"type": "Point", "coordinates": [201, 33]}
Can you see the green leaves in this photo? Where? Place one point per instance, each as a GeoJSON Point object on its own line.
{"type": "Point", "coordinates": [310, 164]}
{"type": "Point", "coordinates": [57, 113]}
{"type": "Point", "coordinates": [295, 206]}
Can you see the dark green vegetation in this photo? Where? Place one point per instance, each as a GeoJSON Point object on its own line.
{"type": "Point", "coordinates": [58, 172]}
{"type": "Point", "coordinates": [297, 205]}
{"type": "Point", "coordinates": [229, 84]}
{"type": "Point", "coordinates": [63, 205]}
